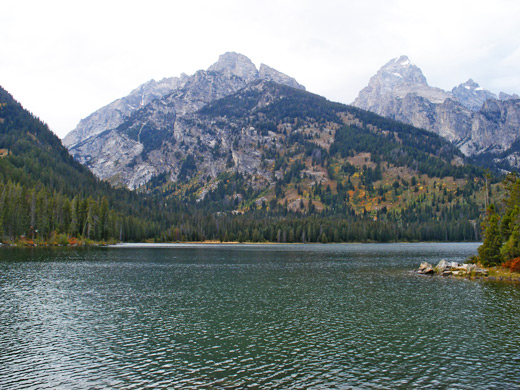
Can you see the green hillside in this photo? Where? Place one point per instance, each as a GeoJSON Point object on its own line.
{"type": "Point", "coordinates": [326, 172]}
{"type": "Point", "coordinates": [350, 173]}
{"type": "Point", "coordinates": [45, 194]}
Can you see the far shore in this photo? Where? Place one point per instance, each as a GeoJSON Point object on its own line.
{"type": "Point", "coordinates": [217, 242]}
{"type": "Point", "coordinates": [497, 273]}
{"type": "Point", "coordinates": [77, 243]}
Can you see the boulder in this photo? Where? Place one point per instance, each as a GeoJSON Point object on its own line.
{"type": "Point", "coordinates": [459, 270]}
{"type": "Point", "coordinates": [451, 268]}
{"type": "Point", "coordinates": [424, 265]}
{"type": "Point", "coordinates": [442, 266]}
{"type": "Point", "coordinates": [425, 269]}
{"type": "Point", "coordinates": [480, 271]}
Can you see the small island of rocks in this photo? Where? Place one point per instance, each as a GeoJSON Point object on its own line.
{"type": "Point", "coordinates": [447, 268]}
{"type": "Point", "coordinates": [469, 271]}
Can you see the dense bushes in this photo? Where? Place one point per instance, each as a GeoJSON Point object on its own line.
{"type": "Point", "coordinates": [502, 229]}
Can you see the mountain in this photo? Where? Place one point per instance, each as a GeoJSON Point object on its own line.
{"type": "Point", "coordinates": [505, 96]}
{"type": "Point", "coordinates": [31, 153]}
{"type": "Point", "coordinates": [221, 120]}
{"type": "Point", "coordinates": [396, 79]}
{"type": "Point", "coordinates": [45, 194]}
{"type": "Point", "coordinates": [260, 124]}
{"type": "Point", "coordinates": [469, 116]}
{"type": "Point", "coordinates": [113, 114]}
{"type": "Point", "coordinates": [125, 134]}
{"type": "Point", "coordinates": [271, 155]}
{"type": "Point", "coordinates": [472, 95]}
{"type": "Point", "coordinates": [267, 162]}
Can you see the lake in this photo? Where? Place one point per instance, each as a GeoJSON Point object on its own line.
{"type": "Point", "coordinates": [351, 316]}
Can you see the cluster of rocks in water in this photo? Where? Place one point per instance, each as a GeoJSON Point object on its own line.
{"type": "Point", "coordinates": [447, 268]}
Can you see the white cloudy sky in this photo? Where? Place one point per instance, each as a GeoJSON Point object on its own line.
{"type": "Point", "coordinates": [64, 59]}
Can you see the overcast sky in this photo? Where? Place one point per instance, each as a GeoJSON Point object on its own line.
{"type": "Point", "coordinates": [65, 59]}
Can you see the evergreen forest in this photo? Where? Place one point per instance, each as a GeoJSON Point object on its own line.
{"type": "Point", "coordinates": [501, 227]}
{"type": "Point", "coordinates": [377, 189]}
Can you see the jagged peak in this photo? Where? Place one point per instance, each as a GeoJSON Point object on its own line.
{"type": "Point", "coordinates": [271, 74]}
{"type": "Point", "coordinates": [402, 61]}
{"type": "Point", "coordinates": [265, 69]}
{"type": "Point", "coordinates": [472, 95]}
{"type": "Point", "coordinates": [231, 57]}
{"type": "Point", "coordinates": [507, 96]}
{"type": "Point", "coordinates": [401, 70]}
{"type": "Point", "coordinates": [470, 85]}
{"type": "Point", "coordinates": [232, 63]}
{"type": "Point", "coordinates": [233, 69]}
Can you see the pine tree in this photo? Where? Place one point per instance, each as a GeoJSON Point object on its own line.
{"type": "Point", "coordinates": [489, 251]}
{"type": "Point", "coordinates": [511, 248]}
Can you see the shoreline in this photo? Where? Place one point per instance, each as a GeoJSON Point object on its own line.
{"type": "Point", "coordinates": [90, 243]}
{"type": "Point", "coordinates": [493, 274]}
{"type": "Point", "coordinates": [468, 271]}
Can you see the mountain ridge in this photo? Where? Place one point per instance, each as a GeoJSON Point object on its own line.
{"type": "Point", "coordinates": [230, 65]}
{"type": "Point", "coordinates": [474, 119]}
{"type": "Point", "coordinates": [47, 196]}
{"type": "Point", "coordinates": [111, 151]}
{"type": "Point", "coordinates": [268, 162]}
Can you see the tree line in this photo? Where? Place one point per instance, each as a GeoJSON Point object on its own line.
{"type": "Point", "coordinates": [39, 214]}
{"type": "Point", "coordinates": [501, 229]}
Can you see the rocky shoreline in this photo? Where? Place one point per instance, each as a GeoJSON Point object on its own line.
{"type": "Point", "coordinates": [447, 268]}
{"type": "Point", "coordinates": [468, 271]}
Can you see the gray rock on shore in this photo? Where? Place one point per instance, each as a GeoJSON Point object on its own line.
{"type": "Point", "coordinates": [426, 269]}
{"type": "Point", "coordinates": [446, 268]}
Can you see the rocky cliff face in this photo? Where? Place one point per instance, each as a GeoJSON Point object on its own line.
{"type": "Point", "coordinates": [496, 126]}
{"type": "Point", "coordinates": [393, 82]}
{"type": "Point", "coordinates": [143, 134]}
{"type": "Point", "coordinates": [471, 95]}
{"type": "Point", "coordinates": [469, 116]}
{"type": "Point", "coordinates": [113, 114]}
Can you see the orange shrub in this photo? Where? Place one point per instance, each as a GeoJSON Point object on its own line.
{"type": "Point", "coordinates": [73, 241]}
{"type": "Point", "coordinates": [513, 265]}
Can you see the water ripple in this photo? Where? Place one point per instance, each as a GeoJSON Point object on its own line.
{"type": "Point", "coordinates": [350, 317]}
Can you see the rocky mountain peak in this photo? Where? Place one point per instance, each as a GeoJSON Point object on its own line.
{"type": "Point", "coordinates": [471, 95]}
{"type": "Point", "coordinates": [471, 85]}
{"type": "Point", "coordinates": [236, 64]}
{"type": "Point", "coordinates": [230, 73]}
{"type": "Point", "coordinates": [121, 142]}
{"type": "Point", "coordinates": [402, 71]}
{"type": "Point", "coordinates": [469, 116]}
{"type": "Point", "coordinates": [267, 73]}
{"type": "Point", "coordinates": [392, 83]}
{"type": "Point", "coordinates": [506, 96]}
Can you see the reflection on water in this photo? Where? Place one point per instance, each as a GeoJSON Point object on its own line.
{"type": "Point", "coordinates": [295, 316]}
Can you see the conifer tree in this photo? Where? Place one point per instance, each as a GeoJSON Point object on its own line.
{"type": "Point", "coordinates": [489, 251]}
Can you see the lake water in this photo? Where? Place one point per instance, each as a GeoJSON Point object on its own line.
{"type": "Point", "coordinates": [253, 316]}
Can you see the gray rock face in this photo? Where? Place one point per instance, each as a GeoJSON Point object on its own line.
{"type": "Point", "coordinates": [445, 268]}
{"type": "Point", "coordinates": [506, 96]}
{"type": "Point", "coordinates": [113, 114]}
{"type": "Point", "coordinates": [267, 73]}
{"type": "Point", "coordinates": [472, 95]}
{"type": "Point", "coordinates": [234, 64]}
{"type": "Point", "coordinates": [469, 116]}
{"type": "Point", "coordinates": [150, 131]}
{"type": "Point", "coordinates": [495, 126]}
{"type": "Point", "coordinates": [392, 83]}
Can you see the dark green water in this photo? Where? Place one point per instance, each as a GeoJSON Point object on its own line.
{"type": "Point", "coordinates": [312, 316]}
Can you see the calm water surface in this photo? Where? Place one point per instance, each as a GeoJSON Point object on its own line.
{"type": "Point", "coordinates": [295, 316]}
